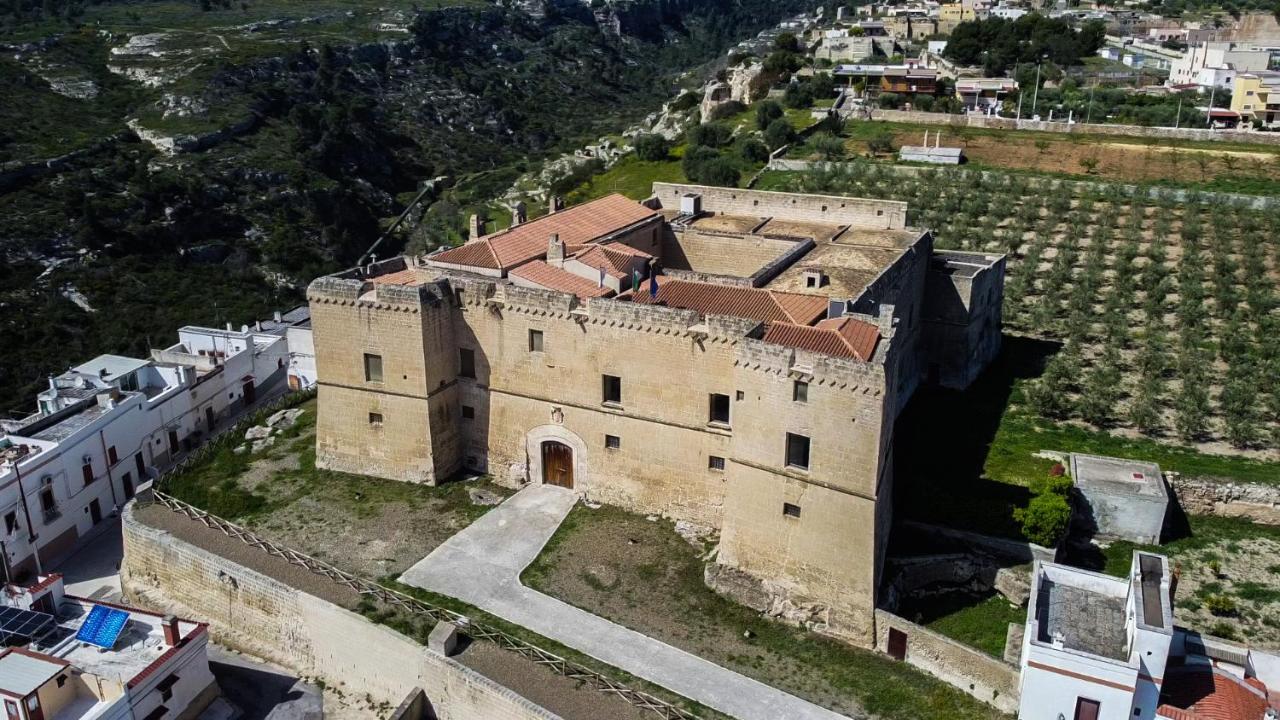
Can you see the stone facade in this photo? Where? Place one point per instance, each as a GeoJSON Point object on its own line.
{"type": "Point", "coordinates": [479, 373]}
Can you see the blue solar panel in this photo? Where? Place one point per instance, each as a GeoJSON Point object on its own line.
{"type": "Point", "coordinates": [102, 627]}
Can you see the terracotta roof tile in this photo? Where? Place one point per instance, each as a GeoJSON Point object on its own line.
{"type": "Point", "coordinates": [577, 225]}
{"type": "Point", "coordinates": [746, 302]}
{"type": "Point", "coordinates": [839, 337]}
{"type": "Point", "coordinates": [1202, 693]}
{"type": "Point", "coordinates": [408, 276]}
{"type": "Point", "coordinates": [615, 262]}
{"type": "Point", "coordinates": [553, 278]}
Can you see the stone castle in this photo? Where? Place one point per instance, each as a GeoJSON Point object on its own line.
{"type": "Point", "coordinates": [735, 359]}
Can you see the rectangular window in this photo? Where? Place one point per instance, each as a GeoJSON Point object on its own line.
{"type": "Point", "coordinates": [741, 396]}
{"type": "Point", "coordinates": [48, 505]}
{"type": "Point", "coordinates": [87, 471]}
{"type": "Point", "coordinates": [800, 391]}
{"type": "Point", "coordinates": [535, 341]}
{"type": "Point", "coordinates": [612, 389]}
{"type": "Point", "coordinates": [372, 368]}
{"type": "Point", "coordinates": [11, 522]}
{"type": "Point", "coordinates": [797, 451]}
{"type": "Point", "coordinates": [715, 463]}
{"type": "Point", "coordinates": [112, 457]}
{"type": "Point", "coordinates": [468, 412]}
{"type": "Point", "coordinates": [1087, 709]}
{"type": "Point", "coordinates": [719, 408]}
{"type": "Point", "coordinates": [375, 418]}
{"type": "Point", "coordinates": [467, 363]}
{"type": "Point", "coordinates": [612, 442]}
{"type": "Point", "coordinates": [790, 510]}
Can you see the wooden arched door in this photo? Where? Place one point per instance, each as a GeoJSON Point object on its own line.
{"type": "Point", "coordinates": [557, 464]}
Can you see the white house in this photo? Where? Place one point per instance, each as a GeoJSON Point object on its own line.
{"type": "Point", "coordinates": [155, 668]}
{"type": "Point", "coordinates": [1097, 647]}
{"type": "Point", "coordinates": [1211, 65]}
{"type": "Point", "coordinates": [104, 428]}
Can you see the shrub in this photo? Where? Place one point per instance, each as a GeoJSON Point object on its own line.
{"type": "Point", "coordinates": [1221, 605]}
{"type": "Point", "coordinates": [1053, 484]}
{"type": "Point", "coordinates": [798, 96]}
{"type": "Point", "coordinates": [695, 158]}
{"type": "Point", "coordinates": [652, 147]}
{"type": "Point", "coordinates": [712, 135]}
{"type": "Point", "coordinates": [766, 112]}
{"type": "Point", "coordinates": [728, 109]}
{"type": "Point", "coordinates": [754, 151]}
{"type": "Point", "coordinates": [890, 101]}
{"type": "Point", "coordinates": [881, 142]}
{"type": "Point", "coordinates": [779, 133]}
{"type": "Point", "coordinates": [829, 147]}
{"type": "Point", "coordinates": [1045, 519]}
{"type": "Point", "coordinates": [721, 172]}
{"type": "Point", "coordinates": [1224, 630]}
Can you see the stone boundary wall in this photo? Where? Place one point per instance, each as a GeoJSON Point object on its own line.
{"type": "Point", "coordinates": [1003, 548]}
{"type": "Point", "coordinates": [1225, 498]}
{"type": "Point", "coordinates": [258, 615]}
{"type": "Point", "coordinates": [1155, 192]}
{"type": "Point", "coordinates": [833, 209]}
{"type": "Point", "coordinates": [988, 679]}
{"type": "Point", "coordinates": [982, 121]}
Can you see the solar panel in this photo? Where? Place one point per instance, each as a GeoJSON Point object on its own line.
{"type": "Point", "coordinates": [18, 626]}
{"type": "Point", "coordinates": [102, 626]}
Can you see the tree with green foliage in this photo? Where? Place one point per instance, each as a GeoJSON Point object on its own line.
{"type": "Point", "coordinates": [1045, 519]}
{"type": "Point", "coordinates": [766, 112]}
{"type": "Point", "coordinates": [754, 151]}
{"type": "Point", "coordinates": [829, 147]}
{"type": "Point", "coordinates": [712, 135]}
{"type": "Point", "coordinates": [998, 44]}
{"type": "Point", "coordinates": [779, 133]}
{"type": "Point", "coordinates": [652, 147]}
{"type": "Point", "coordinates": [881, 142]}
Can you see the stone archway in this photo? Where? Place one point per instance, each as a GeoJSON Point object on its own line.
{"type": "Point", "coordinates": [558, 434]}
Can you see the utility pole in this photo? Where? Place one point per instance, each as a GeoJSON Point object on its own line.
{"type": "Point", "coordinates": [1035, 98]}
{"type": "Point", "coordinates": [1089, 110]}
{"type": "Point", "coordinates": [1209, 113]}
{"type": "Point", "coordinates": [26, 512]}
{"type": "Point", "coordinates": [1177, 120]}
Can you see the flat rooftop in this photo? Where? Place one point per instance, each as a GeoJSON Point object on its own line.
{"type": "Point", "coordinates": [140, 643]}
{"type": "Point", "coordinates": [961, 264]}
{"type": "Point", "coordinates": [109, 367]}
{"type": "Point", "coordinates": [850, 261]}
{"type": "Point", "coordinates": [1085, 610]}
{"type": "Point", "coordinates": [71, 424]}
{"type": "Point", "coordinates": [1117, 475]}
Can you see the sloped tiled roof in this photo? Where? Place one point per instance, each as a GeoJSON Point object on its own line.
{"type": "Point", "coordinates": [838, 337]}
{"type": "Point", "coordinates": [1201, 693]}
{"type": "Point", "coordinates": [615, 260]}
{"type": "Point", "coordinates": [408, 276]}
{"type": "Point", "coordinates": [577, 225]}
{"type": "Point", "coordinates": [553, 278]}
{"type": "Point", "coordinates": [746, 302]}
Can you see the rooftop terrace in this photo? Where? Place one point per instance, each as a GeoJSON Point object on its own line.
{"type": "Point", "coordinates": [1083, 611]}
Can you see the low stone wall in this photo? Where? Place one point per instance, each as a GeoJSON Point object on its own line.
{"type": "Point", "coordinates": [1155, 192]}
{"type": "Point", "coordinates": [1003, 548]}
{"type": "Point", "coordinates": [986, 678]}
{"type": "Point", "coordinates": [258, 615]}
{"type": "Point", "coordinates": [1217, 496]}
{"type": "Point", "coordinates": [982, 121]}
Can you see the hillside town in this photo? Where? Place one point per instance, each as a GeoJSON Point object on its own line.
{"type": "Point", "coordinates": [914, 360]}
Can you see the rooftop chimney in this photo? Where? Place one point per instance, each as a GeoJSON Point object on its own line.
{"type": "Point", "coordinates": [519, 214]}
{"type": "Point", "coordinates": [555, 251]}
{"type": "Point", "coordinates": [475, 228]}
{"type": "Point", "coordinates": [555, 204]}
{"type": "Point", "coordinates": [278, 317]}
{"type": "Point", "coordinates": [171, 633]}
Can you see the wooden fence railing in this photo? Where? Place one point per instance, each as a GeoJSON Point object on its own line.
{"type": "Point", "coordinates": [394, 598]}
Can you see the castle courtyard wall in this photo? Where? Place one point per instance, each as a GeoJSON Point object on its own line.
{"type": "Point", "coordinates": [836, 210]}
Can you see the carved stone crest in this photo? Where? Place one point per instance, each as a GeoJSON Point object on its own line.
{"type": "Point", "coordinates": [557, 416]}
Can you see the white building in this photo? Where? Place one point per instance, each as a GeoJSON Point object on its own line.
{"type": "Point", "coordinates": [1097, 647]}
{"type": "Point", "coordinates": [105, 427]}
{"type": "Point", "coordinates": [1212, 65]}
{"type": "Point", "coordinates": [155, 668]}
{"type": "Point", "coordinates": [1008, 12]}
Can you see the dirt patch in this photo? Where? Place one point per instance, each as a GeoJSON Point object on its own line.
{"type": "Point", "coordinates": [1232, 584]}
{"type": "Point", "coordinates": [642, 574]}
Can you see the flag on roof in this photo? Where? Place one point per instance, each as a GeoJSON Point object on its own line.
{"type": "Point", "coordinates": [601, 276]}
{"type": "Point", "coordinates": [635, 279]}
{"type": "Point", "coordinates": [653, 285]}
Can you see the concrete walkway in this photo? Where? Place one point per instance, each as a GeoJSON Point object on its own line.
{"type": "Point", "coordinates": [482, 564]}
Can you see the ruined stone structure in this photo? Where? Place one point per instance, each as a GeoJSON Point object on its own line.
{"type": "Point", "coordinates": [747, 380]}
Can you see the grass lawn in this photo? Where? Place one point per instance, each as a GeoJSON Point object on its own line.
{"type": "Point", "coordinates": [965, 459]}
{"type": "Point", "coordinates": [643, 575]}
{"type": "Point", "coordinates": [366, 525]}
{"type": "Point", "coordinates": [632, 177]}
{"type": "Point", "coordinates": [977, 621]}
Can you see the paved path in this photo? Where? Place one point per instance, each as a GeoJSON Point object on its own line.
{"type": "Point", "coordinates": [481, 565]}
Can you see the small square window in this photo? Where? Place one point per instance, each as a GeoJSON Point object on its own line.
{"type": "Point", "coordinates": [715, 463]}
{"type": "Point", "coordinates": [740, 396]}
{"type": "Point", "coordinates": [535, 341]}
{"type": "Point", "coordinates": [719, 408]}
{"type": "Point", "coordinates": [612, 442]}
{"type": "Point", "coordinates": [467, 363]}
{"type": "Point", "coordinates": [375, 418]}
{"type": "Point", "coordinates": [468, 412]}
{"type": "Point", "coordinates": [800, 391]}
{"type": "Point", "coordinates": [797, 451]}
{"type": "Point", "coordinates": [372, 368]}
{"type": "Point", "coordinates": [790, 510]}
{"type": "Point", "coordinates": [612, 389]}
